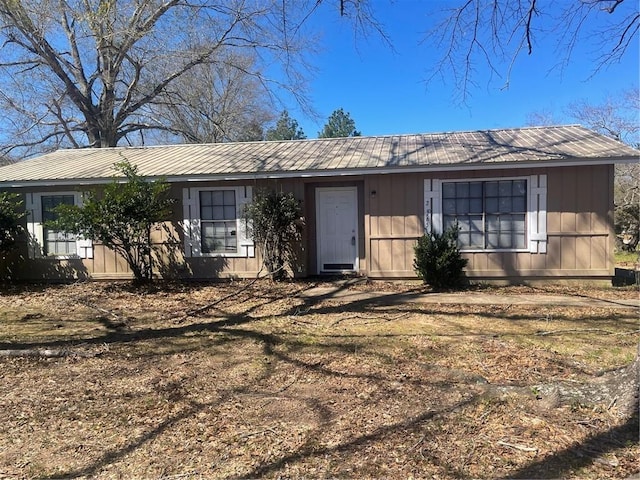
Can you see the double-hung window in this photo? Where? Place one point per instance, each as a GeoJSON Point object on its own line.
{"type": "Point", "coordinates": [45, 242]}
{"type": "Point", "coordinates": [213, 222]}
{"type": "Point", "coordinates": [219, 229]}
{"type": "Point", "coordinates": [494, 214]}
{"type": "Point", "coordinates": [55, 242]}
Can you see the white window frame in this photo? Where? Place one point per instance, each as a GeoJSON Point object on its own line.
{"type": "Point", "coordinates": [192, 226]}
{"type": "Point", "coordinates": [536, 216]}
{"type": "Point", "coordinates": [35, 228]}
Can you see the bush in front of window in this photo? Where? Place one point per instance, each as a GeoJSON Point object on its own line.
{"type": "Point", "coordinates": [10, 220]}
{"type": "Point", "coordinates": [121, 218]}
{"type": "Point", "coordinates": [275, 224]}
{"type": "Point", "coordinates": [438, 261]}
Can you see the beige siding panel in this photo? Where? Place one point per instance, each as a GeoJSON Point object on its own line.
{"type": "Point", "coordinates": [583, 222]}
{"type": "Point", "coordinates": [374, 261]}
{"type": "Point", "coordinates": [392, 257]}
{"type": "Point", "coordinates": [600, 253]}
{"type": "Point", "coordinates": [524, 260]}
{"type": "Point", "coordinates": [554, 221]}
{"type": "Point", "coordinates": [384, 255]}
{"type": "Point", "coordinates": [494, 261]}
{"type": "Point", "coordinates": [583, 253]}
{"type": "Point", "coordinates": [538, 261]}
{"type": "Point", "coordinates": [554, 252]}
{"type": "Point", "coordinates": [397, 225]}
{"type": "Point", "coordinates": [568, 253]}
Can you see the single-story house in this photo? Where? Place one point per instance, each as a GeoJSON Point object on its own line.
{"type": "Point", "coordinates": [531, 203]}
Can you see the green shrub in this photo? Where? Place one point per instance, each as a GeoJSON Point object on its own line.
{"type": "Point", "coordinates": [276, 228]}
{"type": "Point", "coordinates": [122, 218]}
{"type": "Point", "coordinates": [438, 261]}
{"type": "Point", "coordinates": [10, 220]}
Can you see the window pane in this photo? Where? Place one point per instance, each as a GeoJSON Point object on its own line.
{"type": "Point", "coordinates": [229, 197]}
{"type": "Point", "coordinates": [449, 221]}
{"type": "Point", "coordinates": [205, 199]}
{"type": "Point", "coordinates": [206, 213]}
{"type": "Point", "coordinates": [493, 224]}
{"type": "Point", "coordinates": [229, 212]}
{"type": "Point", "coordinates": [505, 205]}
{"type": "Point", "coordinates": [476, 223]}
{"type": "Point", "coordinates": [475, 205]}
{"type": "Point", "coordinates": [463, 240]}
{"type": "Point", "coordinates": [505, 223]}
{"type": "Point", "coordinates": [518, 223]}
{"type": "Point", "coordinates": [477, 240]}
{"type": "Point", "coordinates": [218, 213]}
{"type": "Point", "coordinates": [519, 204]}
{"type": "Point", "coordinates": [492, 240]}
{"type": "Point", "coordinates": [491, 205]}
{"type": "Point", "coordinates": [463, 224]}
{"type": "Point", "coordinates": [448, 190]}
{"type": "Point", "coordinates": [519, 187]}
{"type": "Point", "coordinates": [217, 197]}
{"type": "Point", "coordinates": [504, 188]}
{"type": "Point", "coordinates": [505, 240]}
{"type": "Point", "coordinates": [462, 205]}
{"type": "Point", "coordinates": [462, 190]}
{"type": "Point", "coordinates": [491, 189]}
{"type": "Point", "coordinates": [448, 206]}
{"type": "Point", "coordinates": [475, 189]}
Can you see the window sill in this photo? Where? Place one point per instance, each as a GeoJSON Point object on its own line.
{"type": "Point", "coordinates": [496, 250]}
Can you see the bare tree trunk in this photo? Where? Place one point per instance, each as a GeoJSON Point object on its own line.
{"type": "Point", "coordinates": [617, 389]}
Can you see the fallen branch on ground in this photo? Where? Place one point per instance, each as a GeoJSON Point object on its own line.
{"type": "Point", "coordinates": [573, 330]}
{"type": "Point", "coordinates": [518, 447]}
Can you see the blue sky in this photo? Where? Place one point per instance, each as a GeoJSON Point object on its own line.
{"type": "Point", "coordinates": [386, 92]}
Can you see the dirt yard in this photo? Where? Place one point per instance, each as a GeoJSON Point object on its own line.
{"type": "Point", "coordinates": [122, 382]}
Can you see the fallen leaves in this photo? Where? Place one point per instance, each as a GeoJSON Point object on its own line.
{"type": "Point", "coordinates": [259, 382]}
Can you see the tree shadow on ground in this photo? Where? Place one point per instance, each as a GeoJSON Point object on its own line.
{"type": "Point", "coordinates": [234, 326]}
{"type": "Point", "coordinates": [581, 454]}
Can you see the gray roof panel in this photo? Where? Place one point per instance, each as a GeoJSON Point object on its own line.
{"type": "Point", "coordinates": [327, 156]}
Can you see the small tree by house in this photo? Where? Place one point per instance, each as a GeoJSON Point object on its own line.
{"type": "Point", "coordinates": [438, 261]}
{"type": "Point", "coordinates": [10, 220]}
{"type": "Point", "coordinates": [122, 218]}
{"type": "Point", "coordinates": [275, 224]}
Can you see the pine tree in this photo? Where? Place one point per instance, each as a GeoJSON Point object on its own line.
{"type": "Point", "coordinates": [339, 124]}
{"type": "Point", "coordinates": [286, 128]}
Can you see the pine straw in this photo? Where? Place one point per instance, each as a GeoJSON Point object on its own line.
{"type": "Point", "coordinates": [267, 385]}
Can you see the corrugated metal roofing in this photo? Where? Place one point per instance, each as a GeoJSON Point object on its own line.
{"type": "Point", "coordinates": [327, 156]}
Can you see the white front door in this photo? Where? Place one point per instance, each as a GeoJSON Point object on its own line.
{"type": "Point", "coordinates": [337, 228]}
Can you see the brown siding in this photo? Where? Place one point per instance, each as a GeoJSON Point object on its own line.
{"type": "Point", "coordinates": [579, 226]}
{"type": "Point", "coordinates": [390, 210]}
{"type": "Point", "coordinates": [393, 223]}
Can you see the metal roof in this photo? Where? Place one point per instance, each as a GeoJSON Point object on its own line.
{"type": "Point", "coordinates": [519, 147]}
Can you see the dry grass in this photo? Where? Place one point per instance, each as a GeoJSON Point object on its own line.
{"type": "Point", "coordinates": [268, 384]}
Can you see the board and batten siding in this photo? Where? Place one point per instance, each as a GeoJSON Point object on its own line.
{"type": "Point", "coordinates": [579, 231]}
{"type": "Point", "coordinates": [579, 224]}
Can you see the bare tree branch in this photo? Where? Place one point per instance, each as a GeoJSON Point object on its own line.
{"type": "Point", "coordinates": [116, 62]}
{"type": "Point", "coordinates": [493, 33]}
